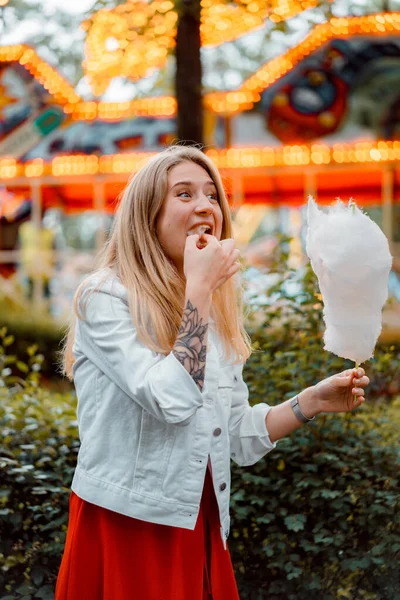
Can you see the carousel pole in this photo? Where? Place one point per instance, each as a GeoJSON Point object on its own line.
{"type": "Point", "coordinates": [99, 205]}
{"type": "Point", "coordinates": [310, 186]}
{"type": "Point", "coordinates": [228, 131]}
{"type": "Point", "coordinates": [310, 189]}
{"type": "Point", "coordinates": [36, 218]}
{"type": "Point", "coordinates": [387, 203]}
{"type": "Point", "coordinates": [237, 190]}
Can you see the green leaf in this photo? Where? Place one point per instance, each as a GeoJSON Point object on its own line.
{"type": "Point", "coordinates": [321, 538]}
{"type": "Point", "coordinates": [330, 494]}
{"type": "Point", "coordinates": [22, 366]}
{"type": "Point", "coordinates": [37, 575]}
{"type": "Point", "coordinates": [45, 593]}
{"type": "Point", "coordinates": [295, 522]}
{"type": "Point", "coordinates": [31, 350]}
{"type": "Point", "coordinates": [24, 589]}
{"type": "Point", "coordinates": [294, 573]}
{"type": "Point", "coordinates": [7, 341]}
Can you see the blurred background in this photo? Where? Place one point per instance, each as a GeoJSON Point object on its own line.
{"type": "Point", "coordinates": [290, 97]}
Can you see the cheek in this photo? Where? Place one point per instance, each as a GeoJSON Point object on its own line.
{"type": "Point", "coordinates": [165, 235]}
{"type": "Point", "coordinates": [171, 234]}
{"type": "Point", "coordinates": [164, 232]}
{"type": "Point", "coordinates": [220, 223]}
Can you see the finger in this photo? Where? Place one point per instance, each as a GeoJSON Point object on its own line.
{"type": "Point", "coordinates": [211, 239]}
{"type": "Point", "coordinates": [358, 402]}
{"type": "Point", "coordinates": [191, 240]}
{"type": "Point", "coordinates": [202, 242]}
{"type": "Point", "coordinates": [235, 255]}
{"type": "Point", "coordinates": [206, 240]}
{"type": "Point", "coordinates": [233, 269]}
{"type": "Point", "coordinates": [358, 372]}
{"type": "Point", "coordinates": [362, 381]}
{"type": "Point", "coordinates": [232, 253]}
{"type": "Point", "coordinates": [347, 373]}
{"type": "Point", "coordinates": [228, 244]}
{"type": "Point", "coordinates": [229, 273]}
{"type": "Point", "coordinates": [357, 391]}
{"type": "Point", "coordinates": [355, 372]}
{"type": "Point", "coordinates": [227, 241]}
{"type": "Point", "coordinates": [344, 379]}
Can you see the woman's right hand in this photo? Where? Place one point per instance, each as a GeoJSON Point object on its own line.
{"type": "Point", "coordinates": [211, 266]}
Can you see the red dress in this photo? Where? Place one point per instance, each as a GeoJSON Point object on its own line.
{"type": "Point", "coordinates": [109, 556]}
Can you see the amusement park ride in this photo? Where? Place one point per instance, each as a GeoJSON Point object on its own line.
{"type": "Point", "coordinates": [324, 117]}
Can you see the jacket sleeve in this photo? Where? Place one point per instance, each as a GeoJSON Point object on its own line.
{"type": "Point", "coordinates": [108, 338]}
{"type": "Point", "coordinates": [249, 438]}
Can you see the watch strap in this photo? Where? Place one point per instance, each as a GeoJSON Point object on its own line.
{"type": "Point", "coordinates": [297, 411]}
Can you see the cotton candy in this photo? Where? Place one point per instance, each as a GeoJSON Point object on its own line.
{"type": "Point", "coordinates": [350, 256]}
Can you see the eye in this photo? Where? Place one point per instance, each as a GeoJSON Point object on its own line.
{"type": "Point", "coordinates": [184, 194]}
{"type": "Point", "coordinates": [213, 196]}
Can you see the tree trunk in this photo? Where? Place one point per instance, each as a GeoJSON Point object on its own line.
{"type": "Point", "coordinates": [188, 78]}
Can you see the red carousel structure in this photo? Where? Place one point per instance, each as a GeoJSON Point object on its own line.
{"type": "Point", "coordinates": [322, 119]}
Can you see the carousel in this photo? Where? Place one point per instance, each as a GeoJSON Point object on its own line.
{"type": "Point", "coordinates": [321, 119]}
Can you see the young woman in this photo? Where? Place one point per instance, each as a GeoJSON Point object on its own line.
{"type": "Point", "coordinates": [156, 354]}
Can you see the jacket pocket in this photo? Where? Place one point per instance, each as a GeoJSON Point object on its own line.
{"type": "Point", "coordinates": [225, 387]}
{"type": "Point", "coordinates": [154, 451]}
{"type": "Point", "coordinates": [176, 476]}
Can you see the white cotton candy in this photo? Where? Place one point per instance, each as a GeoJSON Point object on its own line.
{"type": "Point", "coordinates": [350, 256]}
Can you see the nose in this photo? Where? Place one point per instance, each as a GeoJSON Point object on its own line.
{"type": "Point", "coordinates": [204, 205]}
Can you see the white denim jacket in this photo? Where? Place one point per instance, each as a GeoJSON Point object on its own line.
{"type": "Point", "coordinates": [146, 431]}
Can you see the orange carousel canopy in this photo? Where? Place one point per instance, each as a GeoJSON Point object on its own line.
{"type": "Point", "coordinates": [267, 175]}
{"type": "Point", "coordinates": [231, 102]}
{"type": "Point", "coordinates": [259, 174]}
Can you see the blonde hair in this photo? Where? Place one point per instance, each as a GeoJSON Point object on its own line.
{"type": "Point", "coordinates": [155, 289]}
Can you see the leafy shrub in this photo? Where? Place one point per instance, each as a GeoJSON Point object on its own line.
{"type": "Point", "coordinates": [287, 336]}
{"type": "Point", "coordinates": [317, 519]}
{"type": "Point", "coordinates": [280, 333]}
{"type": "Point", "coordinates": [320, 516]}
{"type": "Point", "coordinates": [30, 329]}
{"type": "Point", "coordinates": [29, 325]}
{"type": "Point", "coordinates": [38, 449]}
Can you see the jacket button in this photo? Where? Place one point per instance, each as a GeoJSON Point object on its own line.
{"type": "Point", "coordinates": [222, 487]}
{"type": "Point", "coordinates": [217, 431]}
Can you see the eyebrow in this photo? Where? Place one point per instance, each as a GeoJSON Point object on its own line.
{"type": "Point", "coordinates": [190, 183]}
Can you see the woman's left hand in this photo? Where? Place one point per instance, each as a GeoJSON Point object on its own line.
{"type": "Point", "coordinates": [342, 392]}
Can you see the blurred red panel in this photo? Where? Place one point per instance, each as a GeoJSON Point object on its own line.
{"type": "Point", "coordinates": [286, 188]}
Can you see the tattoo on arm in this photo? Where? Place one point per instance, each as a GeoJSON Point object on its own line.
{"type": "Point", "coordinates": [190, 348]}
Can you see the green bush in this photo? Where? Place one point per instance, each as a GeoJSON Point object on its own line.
{"type": "Point", "coordinates": [287, 337]}
{"type": "Point", "coordinates": [30, 329]}
{"type": "Point", "coordinates": [30, 325]}
{"type": "Point", "coordinates": [281, 335]}
{"type": "Point", "coordinates": [320, 516]}
{"type": "Point", "coordinates": [38, 450]}
{"type": "Point", "coordinates": [317, 519]}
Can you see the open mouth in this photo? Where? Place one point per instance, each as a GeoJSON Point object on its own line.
{"type": "Point", "coordinates": [200, 230]}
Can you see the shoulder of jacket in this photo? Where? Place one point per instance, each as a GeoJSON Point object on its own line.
{"type": "Point", "coordinates": [106, 281]}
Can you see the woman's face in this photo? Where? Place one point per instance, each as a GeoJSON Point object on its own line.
{"type": "Point", "coordinates": [191, 201]}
